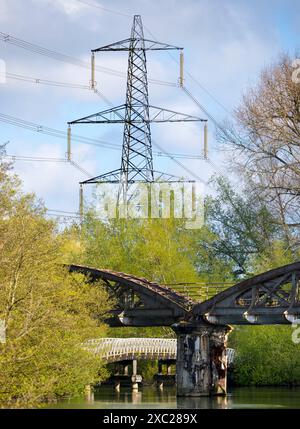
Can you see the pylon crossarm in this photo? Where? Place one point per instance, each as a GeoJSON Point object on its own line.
{"type": "Point", "coordinates": [114, 177]}
{"type": "Point", "coordinates": [111, 177]}
{"type": "Point", "coordinates": [158, 114]}
{"type": "Point", "coordinates": [129, 44]}
{"type": "Point", "coordinates": [108, 116]}
{"type": "Point", "coordinates": [116, 115]}
{"type": "Point", "coordinates": [122, 45]}
{"type": "Point", "coordinates": [158, 46]}
{"type": "Point", "coordinates": [166, 177]}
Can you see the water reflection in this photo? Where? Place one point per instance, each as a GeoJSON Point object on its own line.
{"type": "Point", "coordinates": [153, 398]}
{"type": "Point", "coordinates": [202, 402]}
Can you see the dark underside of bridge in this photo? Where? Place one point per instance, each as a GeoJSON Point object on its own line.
{"type": "Point", "coordinates": [201, 328]}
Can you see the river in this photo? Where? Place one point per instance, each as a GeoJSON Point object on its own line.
{"type": "Point", "coordinates": [151, 398]}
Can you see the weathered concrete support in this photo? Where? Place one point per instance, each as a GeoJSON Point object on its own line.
{"type": "Point", "coordinates": [134, 367]}
{"type": "Point", "coordinates": [160, 385]}
{"type": "Point", "coordinates": [201, 368]}
{"type": "Point", "coordinates": [135, 378]}
{"type": "Point", "coordinates": [124, 376]}
{"type": "Point", "coordinates": [159, 382]}
{"type": "Point", "coordinates": [164, 377]}
{"type": "Point", "coordinates": [116, 374]}
{"type": "Point", "coordinates": [116, 368]}
{"type": "Point", "coordinates": [126, 369]}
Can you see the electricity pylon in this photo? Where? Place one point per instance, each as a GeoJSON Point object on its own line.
{"type": "Point", "coordinates": [136, 113]}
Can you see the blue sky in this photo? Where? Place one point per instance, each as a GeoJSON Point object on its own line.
{"type": "Point", "coordinates": [227, 43]}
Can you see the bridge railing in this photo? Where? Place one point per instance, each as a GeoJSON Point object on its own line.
{"type": "Point", "coordinates": [200, 291]}
{"type": "Point", "coordinates": [114, 349]}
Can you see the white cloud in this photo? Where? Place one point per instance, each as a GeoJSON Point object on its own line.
{"type": "Point", "coordinates": [69, 7]}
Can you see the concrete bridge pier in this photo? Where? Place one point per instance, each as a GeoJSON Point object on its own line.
{"type": "Point", "coordinates": [123, 376]}
{"type": "Point", "coordinates": [159, 381]}
{"type": "Point", "coordinates": [167, 377]}
{"type": "Point", "coordinates": [126, 369]}
{"type": "Point", "coordinates": [201, 368]}
{"type": "Point", "coordinates": [135, 378]}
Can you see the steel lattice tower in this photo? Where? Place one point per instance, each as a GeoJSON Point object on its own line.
{"type": "Point", "coordinates": [137, 161]}
{"type": "Point", "coordinates": [136, 114]}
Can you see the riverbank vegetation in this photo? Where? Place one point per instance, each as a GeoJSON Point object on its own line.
{"type": "Point", "coordinates": [47, 312]}
{"type": "Point", "coordinates": [265, 355]}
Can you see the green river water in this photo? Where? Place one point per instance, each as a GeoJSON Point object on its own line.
{"type": "Point", "coordinates": [151, 398]}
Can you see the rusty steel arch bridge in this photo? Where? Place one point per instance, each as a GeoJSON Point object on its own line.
{"type": "Point", "coordinates": [202, 327]}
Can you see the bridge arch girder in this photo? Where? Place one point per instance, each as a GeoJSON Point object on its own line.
{"type": "Point", "coordinates": [269, 298]}
{"type": "Point", "coordinates": [139, 302]}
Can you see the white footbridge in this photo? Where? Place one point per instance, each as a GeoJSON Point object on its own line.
{"type": "Point", "coordinates": [119, 349]}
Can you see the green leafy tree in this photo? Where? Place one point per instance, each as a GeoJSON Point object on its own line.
{"type": "Point", "coordinates": [265, 355]}
{"type": "Point", "coordinates": [240, 225]}
{"type": "Point", "coordinates": [47, 312]}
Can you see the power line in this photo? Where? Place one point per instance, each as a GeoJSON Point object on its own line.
{"type": "Point", "coordinates": [31, 126]}
{"type": "Point", "coordinates": [199, 84]}
{"type": "Point", "coordinates": [216, 168]}
{"type": "Point", "coordinates": [104, 8]}
{"type": "Point", "coordinates": [216, 123]}
{"type": "Point", "coordinates": [163, 152]}
{"type": "Point", "coordinates": [40, 81]}
{"type": "Point", "coordinates": [201, 107]}
{"type": "Point", "coordinates": [37, 49]}
{"type": "Point", "coordinates": [75, 61]}
{"type": "Point", "coordinates": [192, 77]}
{"type": "Point", "coordinates": [45, 159]}
{"type": "Point", "coordinates": [54, 132]}
{"type": "Point", "coordinates": [33, 158]}
{"type": "Point", "coordinates": [179, 163]}
{"type": "Point", "coordinates": [79, 168]}
{"type": "Point", "coordinates": [62, 211]}
{"type": "Point", "coordinates": [63, 216]}
{"type": "Point", "coordinates": [178, 155]}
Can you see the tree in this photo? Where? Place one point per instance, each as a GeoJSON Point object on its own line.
{"type": "Point", "coordinates": [238, 228]}
{"type": "Point", "coordinates": [265, 355]}
{"type": "Point", "coordinates": [266, 144]}
{"type": "Point", "coordinates": [159, 249]}
{"type": "Point", "coordinates": [48, 313]}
